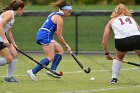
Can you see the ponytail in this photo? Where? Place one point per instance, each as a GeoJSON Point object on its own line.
{"type": "Point", "coordinates": [61, 3]}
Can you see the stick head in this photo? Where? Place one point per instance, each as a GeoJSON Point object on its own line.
{"type": "Point", "coordinates": [61, 73]}
{"type": "Point", "coordinates": [87, 70]}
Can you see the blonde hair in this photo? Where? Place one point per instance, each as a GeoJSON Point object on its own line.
{"type": "Point", "coordinates": [121, 9]}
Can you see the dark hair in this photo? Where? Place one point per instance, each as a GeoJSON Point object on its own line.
{"type": "Point", "coordinates": [61, 3]}
{"type": "Point", "coordinates": [15, 5]}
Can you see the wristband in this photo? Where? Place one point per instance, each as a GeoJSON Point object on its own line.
{"type": "Point", "coordinates": [107, 53]}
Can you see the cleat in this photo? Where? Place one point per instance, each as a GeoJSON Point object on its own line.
{"type": "Point", "coordinates": [113, 81]}
{"type": "Point", "coordinates": [11, 79]}
{"type": "Point", "coordinates": [31, 75]}
{"type": "Point", "coordinates": [52, 74]}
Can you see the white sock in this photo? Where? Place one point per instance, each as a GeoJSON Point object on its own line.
{"type": "Point", "coordinates": [116, 66]}
{"type": "Point", "coordinates": [3, 61]}
{"type": "Point", "coordinates": [11, 68]}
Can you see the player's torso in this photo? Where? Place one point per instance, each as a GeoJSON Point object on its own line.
{"type": "Point", "coordinates": [49, 24]}
{"type": "Point", "coordinates": [9, 24]}
{"type": "Point", "coordinates": [124, 26]}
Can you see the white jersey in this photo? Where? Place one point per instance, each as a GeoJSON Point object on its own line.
{"type": "Point", "coordinates": [124, 26]}
{"type": "Point", "coordinates": [9, 24]}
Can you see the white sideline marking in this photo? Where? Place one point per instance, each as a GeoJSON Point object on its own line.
{"type": "Point", "coordinates": [99, 70]}
{"type": "Point", "coordinates": [80, 72]}
{"type": "Point", "coordinates": [102, 89]}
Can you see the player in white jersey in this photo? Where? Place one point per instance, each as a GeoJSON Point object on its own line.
{"type": "Point", "coordinates": [7, 43]}
{"type": "Point", "coordinates": [126, 35]}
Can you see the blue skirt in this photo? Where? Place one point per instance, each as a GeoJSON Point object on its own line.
{"type": "Point", "coordinates": [44, 37]}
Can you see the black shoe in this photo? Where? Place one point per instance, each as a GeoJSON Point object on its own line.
{"type": "Point", "coordinates": [113, 81]}
{"type": "Point", "coordinates": [11, 79]}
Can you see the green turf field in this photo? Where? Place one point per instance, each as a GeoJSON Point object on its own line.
{"type": "Point", "coordinates": [74, 79]}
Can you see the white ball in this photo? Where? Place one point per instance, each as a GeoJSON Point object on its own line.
{"type": "Point", "coordinates": [92, 78]}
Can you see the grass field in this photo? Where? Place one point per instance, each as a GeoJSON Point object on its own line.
{"type": "Point", "coordinates": [74, 79]}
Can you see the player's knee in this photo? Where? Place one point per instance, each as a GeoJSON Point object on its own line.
{"type": "Point", "coordinates": [61, 52]}
{"type": "Point", "coordinates": [9, 59]}
{"type": "Point", "coordinates": [14, 55]}
{"type": "Point", "coordinates": [138, 54]}
{"type": "Point", "coordinates": [51, 58]}
{"type": "Point", "coordinates": [118, 58]}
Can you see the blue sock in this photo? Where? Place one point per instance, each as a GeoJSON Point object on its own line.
{"type": "Point", "coordinates": [36, 69]}
{"type": "Point", "coordinates": [56, 61]}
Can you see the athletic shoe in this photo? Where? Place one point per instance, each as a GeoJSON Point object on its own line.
{"type": "Point", "coordinates": [113, 81]}
{"type": "Point", "coordinates": [52, 74]}
{"type": "Point", "coordinates": [31, 75]}
{"type": "Point", "coordinates": [11, 79]}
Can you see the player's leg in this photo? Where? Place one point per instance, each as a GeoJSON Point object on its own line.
{"type": "Point", "coordinates": [137, 52]}
{"type": "Point", "coordinates": [116, 66]}
{"type": "Point", "coordinates": [136, 45]}
{"type": "Point", "coordinates": [5, 54]}
{"type": "Point", "coordinates": [49, 52]}
{"type": "Point", "coordinates": [58, 55]}
{"type": "Point", "coordinates": [11, 66]}
{"type": "Point", "coordinates": [57, 58]}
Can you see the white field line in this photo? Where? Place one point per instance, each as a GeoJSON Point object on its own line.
{"type": "Point", "coordinates": [74, 72]}
{"type": "Point", "coordinates": [99, 70]}
{"type": "Point", "coordinates": [102, 89]}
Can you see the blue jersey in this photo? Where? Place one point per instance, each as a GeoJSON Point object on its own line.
{"type": "Point", "coordinates": [45, 33]}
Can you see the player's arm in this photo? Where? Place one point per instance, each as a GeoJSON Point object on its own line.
{"type": "Point", "coordinates": [106, 37]}
{"type": "Point", "coordinates": [10, 37]}
{"type": "Point", "coordinates": [105, 40]}
{"type": "Point", "coordinates": [59, 34]}
{"type": "Point", "coordinates": [5, 18]}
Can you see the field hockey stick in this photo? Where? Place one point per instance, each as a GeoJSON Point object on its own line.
{"type": "Point", "coordinates": [54, 72]}
{"type": "Point", "coordinates": [87, 70]}
{"type": "Point", "coordinates": [131, 63]}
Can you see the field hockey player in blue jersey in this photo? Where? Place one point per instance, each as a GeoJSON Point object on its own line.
{"type": "Point", "coordinates": [44, 37]}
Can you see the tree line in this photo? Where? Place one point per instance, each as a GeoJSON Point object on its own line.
{"type": "Point", "coordinates": [86, 2]}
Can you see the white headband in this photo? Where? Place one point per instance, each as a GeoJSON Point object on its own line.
{"type": "Point", "coordinates": [66, 8]}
